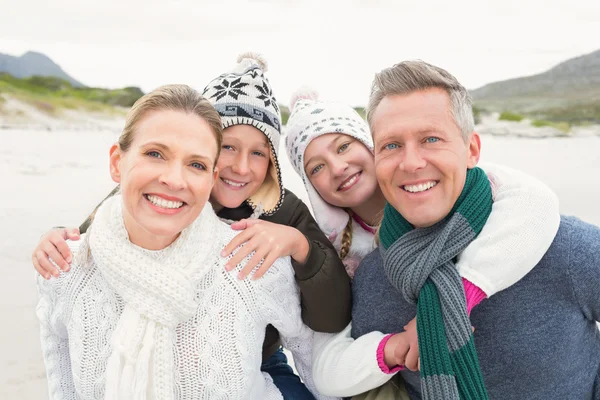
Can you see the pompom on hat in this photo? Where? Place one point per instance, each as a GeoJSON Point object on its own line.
{"type": "Point", "coordinates": [309, 119]}
{"type": "Point", "coordinates": [244, 96]}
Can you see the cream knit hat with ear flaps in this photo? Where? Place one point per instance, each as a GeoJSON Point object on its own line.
{"type": "Point", "coordinates": [310, 119]}
{"type": "Point", "coordinates": [244, 97]}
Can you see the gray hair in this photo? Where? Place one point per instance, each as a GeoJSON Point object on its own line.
{"type": "Point", "coordinates": [412, 76]}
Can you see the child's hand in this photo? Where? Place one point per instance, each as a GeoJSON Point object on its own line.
{"type": "Point", "coordinates": [403, 348]}
{"type": "Point", "coordinates": [412, 357]}
{"type": "Point", "coordinates": [269, 241]}
{"type": "Point", "coordinates": [53, 246]}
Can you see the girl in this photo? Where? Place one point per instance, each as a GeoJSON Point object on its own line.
{"type": "Point", "coordinates": [330, 147]}
{"type": "Point", "coordinates": [276, 223]}
{"type": "Point", "coordinates": [148, 309]}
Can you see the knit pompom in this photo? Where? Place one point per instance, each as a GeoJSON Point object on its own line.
{"type": "Point", "coordinates": [305, 93]}
{"type": "Point", "coordinates": [259, 59]}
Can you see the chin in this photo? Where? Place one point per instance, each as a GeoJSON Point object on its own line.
{"type": "Point", "coordinates": [166, 231]}
{"type": "Point", "coordinates": [228, 202]}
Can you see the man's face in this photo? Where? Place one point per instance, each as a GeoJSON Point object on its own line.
{"type": "Point", "coordinates": [421, 158]}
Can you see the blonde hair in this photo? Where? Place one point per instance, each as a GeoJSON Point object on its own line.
{"type": "Point", "coordinates": [346, 237]}
{"type": "Point", "coordinates": [413, 76]}
{"type": "Point", "coordinates": [169, 97]}
{"type": "Point", "coordinates": [172, 97]}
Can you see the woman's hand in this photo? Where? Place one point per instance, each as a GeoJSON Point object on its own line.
{"type": "Point", "coordinates": [53, 246]}
{"type": "Point", "coordinates": [269, 241]}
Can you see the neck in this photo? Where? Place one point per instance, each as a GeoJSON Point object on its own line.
{"type": "Point", "coordinates": [144, 239]}
{"type": "Point", "coordinates": [371, 210]}
{"type": "Point", "coordinates": [215, 205]}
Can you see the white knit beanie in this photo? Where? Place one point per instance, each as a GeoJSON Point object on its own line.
{"type": "Point", "coordinates": [244, 97]}
{"type": "Point", "coordinates": [309, 119]}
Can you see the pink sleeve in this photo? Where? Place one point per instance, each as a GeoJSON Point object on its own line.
{"type": "Point", "coordinates": [474, 295]}
{"type": "Point", "coordinates": [381, 358]}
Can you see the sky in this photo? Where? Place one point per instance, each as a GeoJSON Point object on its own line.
{"type": "Point", "coordinates": [332, 46]}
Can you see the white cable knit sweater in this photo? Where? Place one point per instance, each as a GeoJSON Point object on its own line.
{"type": "Point", "coordinates": [217, 353]}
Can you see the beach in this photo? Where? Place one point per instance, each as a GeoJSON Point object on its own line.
{"type": "Point", "coordinates": [54, 177]}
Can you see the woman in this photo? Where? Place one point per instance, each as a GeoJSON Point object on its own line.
{"type": "Point", "coordinates": [148, 309]}
{"type": "Point", "coordinates": [276, 223]}
{"type": "Point", "coordinates": [330, 147]}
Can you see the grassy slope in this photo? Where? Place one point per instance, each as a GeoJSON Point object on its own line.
{"type": "Point", "coordinates": [51, 95]}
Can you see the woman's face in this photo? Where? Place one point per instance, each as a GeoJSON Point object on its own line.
{"type": "Point", "coordinates": [341, 169]}
{"type": "Point", "coordinates": [166, 175]}
{"type": "Point", "coordinates": [243, 165]}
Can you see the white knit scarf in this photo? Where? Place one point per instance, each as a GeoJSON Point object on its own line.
{"type": "Point", "coordinates": [159, 291]}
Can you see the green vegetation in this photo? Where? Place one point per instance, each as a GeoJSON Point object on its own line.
{"type": "Point", "coordinates": [561, 126]}
{"type": "Point", "coordinates": [285, 113]}
{"type": "Point", "coordinates": [477, 114]}
{"type": "Point", "coordinates": [509, 116]}
{"type": "Point", "coordinates": [50, 94]}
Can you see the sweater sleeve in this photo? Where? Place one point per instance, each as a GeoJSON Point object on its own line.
{"type": "Point", "coordinates": [282, 310]}
{"type": "Point", "coordinates": [54, 339]}
{"type": "Point", "coordinates": [584, 267]}
{"type": "Point", "coordinates": [523, 223]}
{"type": "Point", "coordinates": [344, 367]}
{"type": "Point", "coordinates": [324, 284]}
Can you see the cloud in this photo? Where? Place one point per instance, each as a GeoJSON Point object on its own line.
{"type": "Point", "coordinates": [334, 46]}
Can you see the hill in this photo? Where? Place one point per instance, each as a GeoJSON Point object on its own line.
{"type": "Point", "coordinates": [568, 92]}
{"type": "Point", "coordinates": [34, 64]}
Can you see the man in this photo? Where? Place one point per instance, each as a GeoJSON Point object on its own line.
{"type": "Point", "coordinates": [535, 340]}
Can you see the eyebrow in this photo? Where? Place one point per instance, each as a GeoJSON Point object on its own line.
{"type": "Point", "coordinates": [429, 129]}
{"type": "Point", "coordinates": [264, 143]}
{"type": "Point", "coordinates": [331, 144]}
{"type": "Point", "coordinates": [166, 148]}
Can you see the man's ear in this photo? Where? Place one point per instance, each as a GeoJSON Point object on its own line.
{"type": "Point", "coordinates": [474, 150]}
{"type": "Point", "coordinates": [115, 160]}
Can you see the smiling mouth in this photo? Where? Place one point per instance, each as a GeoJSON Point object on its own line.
{"type": "Point", "coordinates": [237, 185]}
{"type": "Point", "coordinates": [421, 187]}
{"type": "Point", "coordinates": [351, 180]}
{"type": "Point", "coordinates": [162, 203]}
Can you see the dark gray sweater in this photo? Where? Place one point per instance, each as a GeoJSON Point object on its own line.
{"type": "Point", "coordinates": [536, 340]}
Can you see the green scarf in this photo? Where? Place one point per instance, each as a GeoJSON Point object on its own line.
{"type": "Point", "coordinates": [420, 264]}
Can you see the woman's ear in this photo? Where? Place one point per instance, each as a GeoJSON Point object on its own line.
{"type": "Point", "coordinates": [115, 160]}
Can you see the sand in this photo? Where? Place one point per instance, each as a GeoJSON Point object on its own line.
{"type": "Point", "coordinates": [54, 178]}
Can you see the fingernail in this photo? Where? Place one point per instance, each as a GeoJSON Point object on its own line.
{"type": "Point", "coordinates": [66, 268]}
{"type": "Point", "coordinates": [47, 277]}
{"type": "Point", "coordinates": [69, 259]}
{"type": "Point", "coordinates": [223, 253]}
{"type": "Point", "coordinates": [227, 267]}
{"type": "Point", "coordinates": [241, 276]}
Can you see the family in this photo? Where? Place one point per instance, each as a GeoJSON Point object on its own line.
{"type": "Point", "coordinates": [416, 273]}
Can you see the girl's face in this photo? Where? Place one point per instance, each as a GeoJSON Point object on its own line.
{"type": "Point", "coordinates": [166, 175]}
{"type": "Point", "coordinates": [243, 165]}
{"type": "Point", "coordinates": [341, 169]}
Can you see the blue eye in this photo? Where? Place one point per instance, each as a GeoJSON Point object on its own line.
{"type": "Point", "coordinates": [343, 147]}
{"type": "Point", "coordinates": [391, 146]}
{"type": "Point", "coordinates": [316, 169]}
{"type": "Point", "coordinates": [258, 153]}
{"type": "Point", "coordinates": [432, 139]}
{"type": "Point", "coordinates": [154, 154]}
{"type": "Point", "coordinates": [198, 165]}
{"type": "Point", "coordinates": [226, 147]}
